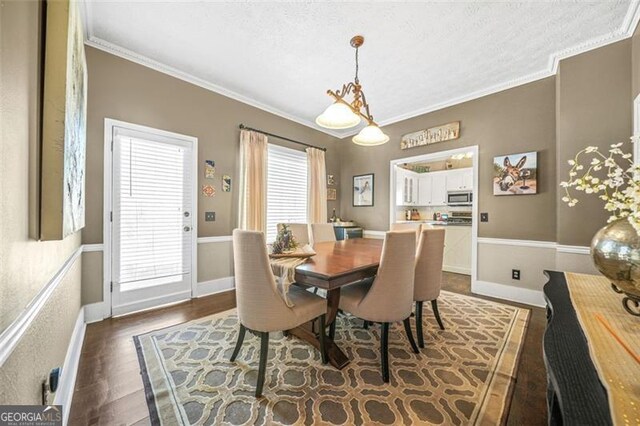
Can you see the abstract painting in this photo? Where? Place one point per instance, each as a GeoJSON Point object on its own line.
{"type": "Point", "coordinates": [515, 174]}
{"type": "Point", "coordinates": [209, 169]}
{"type": "Point", "coordinates": [64, 123]}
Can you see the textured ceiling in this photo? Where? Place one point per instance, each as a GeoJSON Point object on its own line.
{"type": "Point", "coordinates": [417, 57]}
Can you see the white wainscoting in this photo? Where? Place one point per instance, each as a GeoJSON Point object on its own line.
{"type": "Point", "coordinates": [13, 333]}
{"type": "Point", "coordinates": [373, 234]}
{"type": "Point", "coordinates": [511, 293]}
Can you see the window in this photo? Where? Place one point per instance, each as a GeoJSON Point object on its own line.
{"type": "Point", "coordinates": [286, 188]}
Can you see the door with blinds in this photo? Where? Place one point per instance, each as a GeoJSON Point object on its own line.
{"type": "Point", "coordinates": [152, 235]}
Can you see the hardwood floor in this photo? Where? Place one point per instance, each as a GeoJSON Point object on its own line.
{"type": "Point", "coordinates": [109, 389]}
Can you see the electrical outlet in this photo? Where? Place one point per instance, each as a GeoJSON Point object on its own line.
{"type": "Point", "coordinates": [515, 274]}
{"type": "Point", "coordinates": [209, 216]}
{"type": "Point", "coordinates": [484, 217]}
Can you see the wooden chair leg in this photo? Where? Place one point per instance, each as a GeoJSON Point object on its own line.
{"type": "Point", "coordinates": [384, 351]}
{"type": "Point", "coordinates": [241, 334]}
{"type": "Point", "coordinates": [264, 352]}
{"type": "Point", "coordinates": [419, 324]}
{"type": "Point", "coordinates": [434, 305]}
{"type": "Point", "coordinates": [332, 329]}
{"type": "Point", "coordinates": [407, 329]}
{"type": "Point", "coordinates": [323, 346]}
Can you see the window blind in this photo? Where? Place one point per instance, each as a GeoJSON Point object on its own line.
{"type": "Point", "coordinates": [151, 193]}
{"type": "Point", "coordinates": [286, 188]}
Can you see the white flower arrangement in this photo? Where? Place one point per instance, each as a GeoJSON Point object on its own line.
{"type": "Point", "coordinates": [613, 177]}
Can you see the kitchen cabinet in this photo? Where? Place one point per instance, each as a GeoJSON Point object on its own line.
{"type": "Point", "coordinates": [457, 249]}
{"type": "Point", "coordinates": [460, 180]}
{"type": "Point", "coordinates": [432, 189]}
{"type": "Point", "coordinates": [406, 187]}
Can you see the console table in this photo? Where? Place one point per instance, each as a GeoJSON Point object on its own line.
{"type": "Point", "coordinates": [575, 395]}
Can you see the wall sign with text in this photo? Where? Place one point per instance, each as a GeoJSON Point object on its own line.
{"type": "Point", "coordinates": [443, 133]}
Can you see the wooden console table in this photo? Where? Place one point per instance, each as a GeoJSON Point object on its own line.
{"type": "Point", "coordinates": [575, 394]}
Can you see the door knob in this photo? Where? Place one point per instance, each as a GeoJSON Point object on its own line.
{"type": "Point", "coordinates": [186, 214]}
{"type": "Point", "coordinates": [187, 229]}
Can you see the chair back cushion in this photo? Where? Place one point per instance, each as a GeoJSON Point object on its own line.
{"type": "Point", "coordinates": [322, 232]}
{"type": "Point", "coordinates": [391, 295]}
{"type": "Point", "coordinates": [300, 232]}
{"type": "Point", "coordinates": [429, 257]}
{"type": "Point", "coordinates": [260, 307]}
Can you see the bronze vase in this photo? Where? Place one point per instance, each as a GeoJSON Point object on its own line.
{"type": "Point", "coordinates": [616, 254]}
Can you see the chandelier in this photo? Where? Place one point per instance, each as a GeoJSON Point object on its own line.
{"type": "Point", "coordinates": [344, 115]}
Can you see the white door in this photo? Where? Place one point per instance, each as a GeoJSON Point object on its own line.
{"type": "Point", "coordinates": [439, 189]}
{"type": "Point", "coordinates": [152, 235]}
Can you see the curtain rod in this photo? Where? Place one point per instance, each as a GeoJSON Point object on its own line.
{"type": "Point", "coordinates": [243, 127]}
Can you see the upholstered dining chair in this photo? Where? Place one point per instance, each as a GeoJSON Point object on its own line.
{"type": "Point", "coordinates": [300, 232]}
{"type": "Point", "coordinates": [388, 298]}
{"type": "Point", "coordinates": [428, 275]}
{"type": "Point", "coordinates": [261, 308]}
{"type": "Point", "coordinates": [406, 227]}
{"type": "Point", "coordinates": [322, 232]}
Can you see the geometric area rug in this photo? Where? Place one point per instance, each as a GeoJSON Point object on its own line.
{"type": "Point", "coordinates": [464, 375]}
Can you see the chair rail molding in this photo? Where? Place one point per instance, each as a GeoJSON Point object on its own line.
{"type": "Point", "coordinates": [217, 239]}
{"type": "Point", "coordinates": [11, 336]}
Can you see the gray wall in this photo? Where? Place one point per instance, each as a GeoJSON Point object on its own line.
{"type": "Point", "coordinates": [27, 265]}
{"type": "Point", "coordinates": [126, 91]}
{"type": "Point", "coordinates": [635, 65]}
{"type": "Point", "coordinates": [594, 107]}
{"type": "Point", "coordinates": [516, 120]}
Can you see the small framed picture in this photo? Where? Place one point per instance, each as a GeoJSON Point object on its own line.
{"type": "Point", "coordinates": [209, 169]}
{"type": "Point", "coordinates": [331, 180]}
{"type": "Point", "coordinates": [332, 194]}
{"type": "Point", "coordinates": [363, 187]}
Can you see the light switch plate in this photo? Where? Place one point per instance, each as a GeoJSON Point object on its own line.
{"type": "Point", "coordinates": [209, 216]}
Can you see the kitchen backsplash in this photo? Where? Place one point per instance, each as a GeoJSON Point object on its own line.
{"type": "Point", "coordinates": [426, 213]}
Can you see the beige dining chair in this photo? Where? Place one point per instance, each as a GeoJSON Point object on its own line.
{"type": "Point", "coordinates": [406, 227]}
{"type": "Point", "coordinates": [261, 308]}
{"type": "Point", "coordinates": [428, 275]}
{"type": "Point", "coordinates": [300, 232]}
{"type": "Point", "coordinates": [322, 232]}
{"type": "Point", "coordinates": [388, 298]}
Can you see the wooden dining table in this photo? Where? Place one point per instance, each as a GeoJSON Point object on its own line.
{"type": "Point", "coordinates": [335, 265]}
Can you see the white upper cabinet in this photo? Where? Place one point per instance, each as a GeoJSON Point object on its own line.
{"type": "Point", "coordinates": [406, 187]}
{"type": "Point", "coordinates": [460, 180]}
{"type": "Point", "coordinates": [432, 189]}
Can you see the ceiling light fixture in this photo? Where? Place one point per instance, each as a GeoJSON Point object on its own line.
{"type": "Point", "coordinates": [344, 115]}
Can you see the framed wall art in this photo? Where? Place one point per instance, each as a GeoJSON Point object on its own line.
{"type": "Point", "coordinates": [515, 174]}
{"type": "Point", "coordinates": [363, 189]}
{"type": "Point", "coordinates": [64, 122]}
{"type": "Point", "coordinates": [332, 194]}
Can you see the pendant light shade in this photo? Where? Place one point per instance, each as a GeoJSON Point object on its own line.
{"type": "Point", "coordinates": [338, 116]}
{"type": "Point", "coordinates": [370, 136]}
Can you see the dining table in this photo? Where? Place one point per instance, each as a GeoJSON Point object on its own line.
{"type": "Point", "coordinates": [336, 264]}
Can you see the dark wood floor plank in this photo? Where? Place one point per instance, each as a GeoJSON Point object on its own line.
{"type": "Point", "coordinates": [109, 389]}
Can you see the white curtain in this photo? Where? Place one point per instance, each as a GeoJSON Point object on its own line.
{"type": "Point", "coordinates": [253, 181]}
{"type": "Point", "coordinates": [317, 177]}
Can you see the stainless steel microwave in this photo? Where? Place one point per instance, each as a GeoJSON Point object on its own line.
{"type": "Point", "coordinates": [459, 198]}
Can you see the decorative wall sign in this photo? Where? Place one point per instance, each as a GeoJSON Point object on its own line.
{"type": "Point", "coordinates": [209, 169]}
{"type": "Point", "coordinates": [363, 190]}
{"type": "Point", "coordinates": [515, 174]}
{"type": "Point", "coordinates": [226, 183]}
{"type": "Point", "coordinates": [208, 190]}
{"type": "Point", "coordinates": [331, 180]}
{"type": "Point", "coordinates": [64, 123]}
{"type": "Point", "coordinates": [446, 132]}
{"type": "Point", "coordinates": [332, 194]}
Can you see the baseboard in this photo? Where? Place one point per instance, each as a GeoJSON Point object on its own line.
{"type": "Point", "coordinates": [457, 270]}
{"type": "Point", "coordinates": [373, 234]}
{"type": "Point", "coordinates": [94, 312]}
{"type": "Point", "coordinates": [64, 394]}
{"type": "Point", "coordinates": [508, 292]}
{"type": "Point", "coordinates": [219, 285]}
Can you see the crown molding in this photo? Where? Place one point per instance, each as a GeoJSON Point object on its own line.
{"type": "Point", "coordinates": [626, 30]}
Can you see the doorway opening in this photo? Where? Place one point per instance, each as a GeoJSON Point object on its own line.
{"type": "Point", "coordinates": [441, 190]}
